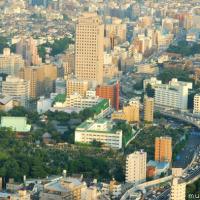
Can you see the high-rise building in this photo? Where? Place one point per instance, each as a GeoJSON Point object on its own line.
{"type": "Point", "coordinates": [89, 48]}
{"type": "Point", "coordinates": [10, 63]}
{"type": "Point", "coordinates": [110, 92]}
{"type": "Point", "coordinates": [76, 86]}
{"type": "Point", "coordinates": [196, 107]}
{"type": "Point", "coordinates": [148, 109]}
{"type": "Point", "coordinates": [41, 78]}
{"type": "Point", "coordinates": [178, 186]}
{"type": "Point", "coordinates": [27, 48]}
{"type": "Point", "coordinates": [136, 167]}
{"type": "Point", "coordinates": [18, 89]}
{"type": "Point", "coordinates": [163, 149]}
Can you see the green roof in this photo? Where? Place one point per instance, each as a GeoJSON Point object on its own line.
{"type": "Point", "coordinates": [18, 124]}
{"type": "Point", "coordinates": [102, 105]}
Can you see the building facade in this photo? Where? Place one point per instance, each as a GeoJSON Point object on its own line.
{"type": "Point", "coordinates": [129, 113]}
{"type": "Point", "coordinates": [148, 109]}
{"type": "Point", "coordinates": [196, 104]}
{"type": "Point", "coordinates": [111, 92]}
{"type": "Point", "coordinates": [136, 167]}
{"type": "Point", "coordinates": [163, 149]}
{"type": "Point", "coordinates": [10, 63]}
{"type": "Point", "coordinates": [18, 89]}
{"type": "Point", "coordinates": [77, 86]}
{"type": "Point", "coordinates": [173, 95]}
{"type": "Point", "coordinates": [41, 79]}
{"type": "Point", "coordinates": [102, 131]}
{"type": "Point", "coordinates": [89, 49]}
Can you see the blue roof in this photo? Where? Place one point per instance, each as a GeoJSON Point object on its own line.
{"type": "Point", "coordinates": [158, 165]}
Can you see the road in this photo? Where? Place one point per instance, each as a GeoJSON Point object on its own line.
{"type": "Point", "coordinates": [186, 154]}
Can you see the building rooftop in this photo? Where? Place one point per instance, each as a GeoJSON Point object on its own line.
{"type": "Point", "coordinates": [101, 125]}
{"type": "Point", "coordinates": [18, 124]}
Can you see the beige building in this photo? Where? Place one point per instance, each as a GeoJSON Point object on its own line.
{"type": "Point", "coordinates": [163, 149]}
{"type": "Point", "coordinates": [196, 107]}
{"type": "Point", "coordinates": [67, 61]}
{"type": "Point", "coordinates": [17, 88]}
{"type": "Point", "coordinates": [89, 48]}
{"type": "Point", "coordinates": [65, 188]}
{"type": "Point", "coordinates": [41, 78]}
{"type": "Point", "coordinates": [178, 186]}
{"type": "Point", "coordinates": [148, 109]}
{"type": "Point", "coordinates": [130, 112]}
{"type": "Point", "coordinates": [136, 167]}
{"type": "Point", "coordinates": [76, 86]}
{"type": "Point", "coordinates": [10, 63]}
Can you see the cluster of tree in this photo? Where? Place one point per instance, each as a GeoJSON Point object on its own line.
{"type": "Point", "coordinates": [38, 162]}
{"type": "Point", "coordinates": [5, 43]}
{"type": "Point", "coordinates": [185, 48]}
{"type": "Point", "coordinates": [26, 159]}
{"type": "Point", "coordinates": [126, 129]}
{"type": "Point", "coordinates": [168, 73]}
{"type": "Point", "coordinates": [150, 92]}
{"type": "Point", "coordinates": [57, 47]}
{"type": "Point", "coordinates": [193, 190]}
{"type": "Point", "coordinates": [141, 141]}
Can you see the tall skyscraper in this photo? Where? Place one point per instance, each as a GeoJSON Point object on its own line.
{"type": "Point", "coordinates": [148, 109]}
{"type": "Point", "coordinates": [89, 48]}
{"type": "Point", "coordinates": [163, 149]}
{"type": "Point", "coordinates": [136, 167]}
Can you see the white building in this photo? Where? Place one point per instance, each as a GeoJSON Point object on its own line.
{"type": "Point", "coordinates": [136, 167]}
{"type": "Point", "coordinates": [196, 108]}
{"type": "Point", "coordinates": [43, 105]}
{"type": "Point", "coordinates": [152, 81]}
{"type": "Point", "coordinates": [178, 187]}
{"type": "Point", "coordinates": [101, 130]}
{"type": "Point", "coordinates": [173, 95]}
{"type": "Point", "coordinates": [18, 89]}
{"type": "Point", "coordinates": [77, 102]}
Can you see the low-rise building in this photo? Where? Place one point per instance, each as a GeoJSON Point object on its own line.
{"type": "Point", "coordinates": [101, 130]}
{"type": "Point", "coordinates": [129, 113]}
{"type": "Point", "coordinates": [43, 105]}
{"type": "Point", "coordinates": [63, 188]}
{"type": "Point", "coordinates": [17, 124]}
{"type": "Point", "coordinates": [76, 102]}
{"type": "Point", "coordinates": [6, 103]}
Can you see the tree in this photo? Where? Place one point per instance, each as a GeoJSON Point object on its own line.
{"type": "Point", "coordinates": [150, 91]}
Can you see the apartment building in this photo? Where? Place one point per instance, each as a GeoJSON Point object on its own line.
{"type": "Point", "coordinates": [163, 149]}
{"type": "Point", "coordinates": [136, 167]}
{"type": "Point", "coordinates": [148, 109]}
{"type": "Point", "coordinates": [173, 95]}
{"type": "Point", "coordinates": [77, 86]}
